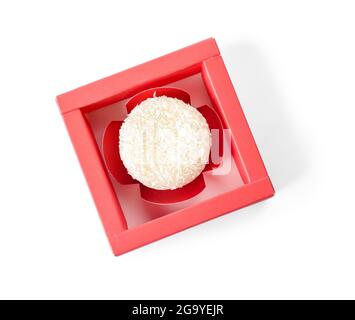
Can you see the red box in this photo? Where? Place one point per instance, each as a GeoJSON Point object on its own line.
{"type": "Point", "coordinates": [129, 220]}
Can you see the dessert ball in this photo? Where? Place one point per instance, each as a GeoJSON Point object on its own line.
{"type": "Point", "coordinates": [164, 143]}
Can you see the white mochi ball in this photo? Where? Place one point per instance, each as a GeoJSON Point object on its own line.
{"type": "Point", "coordinates": [164, 143]}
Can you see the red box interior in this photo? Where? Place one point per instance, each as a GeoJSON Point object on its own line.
{"type": "Point", "coordinates": [129, 220]}
{"type": "Point", "coordinates": [137, 210]}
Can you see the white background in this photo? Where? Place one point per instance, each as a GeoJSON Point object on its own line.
{"type": "Point", "coordinates": [293, 66]}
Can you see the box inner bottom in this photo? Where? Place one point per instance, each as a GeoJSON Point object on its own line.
{"type": "Point", "coordinates": [137, 210]}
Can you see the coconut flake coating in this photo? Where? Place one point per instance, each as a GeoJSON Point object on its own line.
{"type": "Point", "coordinates": [164, 143]}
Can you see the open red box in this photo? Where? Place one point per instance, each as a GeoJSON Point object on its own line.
{"type": "Point", "coordinates": [129, 220]}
